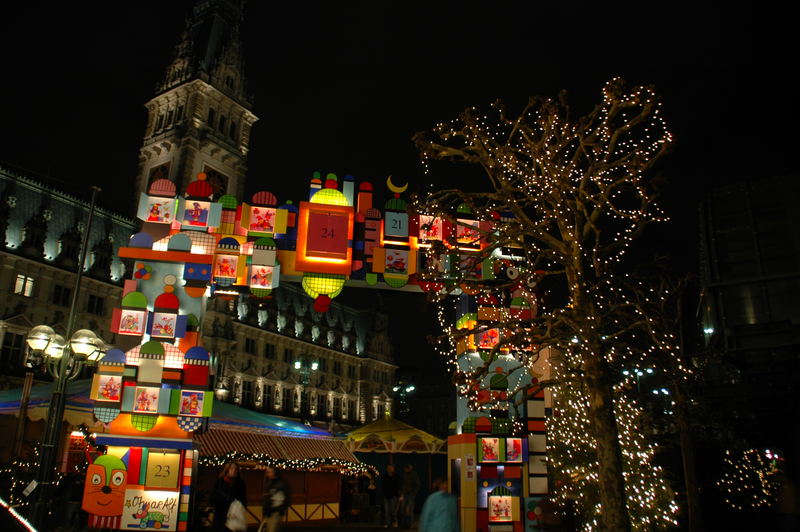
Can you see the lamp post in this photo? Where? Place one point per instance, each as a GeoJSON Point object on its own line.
{"type": "Point", "coordinates": [403, 389]}
{"type": "Point", "coordinates": [304, 368]}
{"type": "Point", "coordinates": [64, 361]}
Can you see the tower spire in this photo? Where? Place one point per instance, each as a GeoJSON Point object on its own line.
{"type": "Point", "coordinates": [200, 118]}
{"type": "Point", "coordinates": [210, 49]}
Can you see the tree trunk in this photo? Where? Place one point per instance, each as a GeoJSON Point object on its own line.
{"type": "Point", "coordinates": [611, 483]}
{"type": "Point", "coordinates": [693, 508]}
{"type": "Point", "coordinates": [610, 480]}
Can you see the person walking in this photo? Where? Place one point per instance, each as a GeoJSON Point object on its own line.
{"type": "Point", "coordinates": [70, 491]}
{"type": "Point", "coordinates": [408, 496]}
{"type": "Point", "coordinates": [347, 496]}
{"type": "Point", "coordinates": [228, 487]}
{"type": "Point", "coordinates": [275, 499]}
{"type": "Point", "coordinates": [372, 496]}
{"type": "Point", "coordinates": [439, 513]}
{"type": "Point", "coordinates": [391, 497]}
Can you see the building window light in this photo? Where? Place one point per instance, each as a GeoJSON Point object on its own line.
{"type": "Point", "coordinates": [23, 286]}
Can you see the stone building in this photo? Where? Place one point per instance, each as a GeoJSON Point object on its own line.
{"type": "Point", "coordinates": [750, 274]}
{"type": "Point", "coordinates": [199, 121]}
{"type": "Point", "coordinates": [280, 356]}
{"type": "Point", "coordinates": [200, 117]}
{"type": "Point", "coordinates": [41, 230]}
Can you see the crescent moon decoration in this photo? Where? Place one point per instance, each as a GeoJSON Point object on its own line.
{"type": "Point", "coordinates": [394, 188]}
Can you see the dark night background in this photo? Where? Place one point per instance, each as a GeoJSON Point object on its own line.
{"type": "Point", "coordinates": [342, 88]}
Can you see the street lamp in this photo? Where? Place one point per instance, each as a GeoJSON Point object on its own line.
{"type": "Point", "coordinates": [639, 373]}
{"type": "Point", "coordinates": [403, 389]}
{"type": "Point", "coordinates": [46, 349]}
{"type": "Point", "coordinates": [305, 369]}
{"type": "Point", "coordinates": [64, 361]}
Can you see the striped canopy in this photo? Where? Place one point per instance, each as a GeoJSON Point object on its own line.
{"type": "Point", "coordinates": [78, 409]}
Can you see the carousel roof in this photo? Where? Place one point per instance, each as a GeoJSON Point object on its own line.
{"type": "Point", "coordinates": [390, 435]}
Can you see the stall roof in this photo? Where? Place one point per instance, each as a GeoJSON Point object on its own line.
{"type": "Point", "coordinates": [219, 441]}
{"type": "Point", "coordinates": [78, 405]}
{"type": "Point", "coordinates": [234, 432]}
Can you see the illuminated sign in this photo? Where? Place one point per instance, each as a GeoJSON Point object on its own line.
{"type": "Point", "coordinates": [500, 508]}
{"type": "Point", "coordinates": [225, 266]}
{"type": "Point", "coordinates": [490, 449]}
{"type": "Point", "coordinates": [132, 322]}
{"type": "Point", "coordinates": [150, 510]}
{"type": "Point", "coordinates": [196, 213]}
{"type": "Point", "coordinates": [467, 232]}
{"type": "Point", "coordinates": [324, 238]}
{"type": "Point", "coordinates": [109, 388]}
{"type": "Point", "coordinates": [327, 234]}
{"type": "Point", "coordinates": [514, 450]}
{"type": "Point", "coordinates": [396, 261]}
{"type": "Point", "coordinates": [396, 225]}
{"type": "Point", "coordinates": [430, 228]}
{"type": "Point", "coordinates": [261, 276]}
{"type": "Point", "coordinates": [488, 339]}
{"type": "Point", "coordinates": [191, 403]}
{"type": "Point", "coordinates": [160, 210]}
{"type": "Point", "coordinates": [163, 469]}
{"type": "Point", "coordinates": [262, 219]}
{"type": "Point", "coordinates": [164, 325]}
{"type": "Point", "coordinates": [146, 399]}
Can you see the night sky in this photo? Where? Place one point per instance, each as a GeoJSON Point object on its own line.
{"type": "Point", "coordinates": [342, 89]}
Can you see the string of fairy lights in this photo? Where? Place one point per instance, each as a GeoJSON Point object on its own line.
{"type": "Point", "coordinates": [346, 467]}
{"type": "Point", "coordinates": [262, 460]}
{"type": "Point", "coordinates": [17, 474]}
{"type": "Point", "coordinates": [576, 194]}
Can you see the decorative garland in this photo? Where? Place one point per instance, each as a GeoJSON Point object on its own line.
{"type": "Point", "coordinates": [347, 467]}
{"type": "Point", "coordinates": [16, 475]}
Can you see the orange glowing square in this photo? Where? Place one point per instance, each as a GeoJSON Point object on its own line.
{"type": "Point", "coordinates": [324, 238]}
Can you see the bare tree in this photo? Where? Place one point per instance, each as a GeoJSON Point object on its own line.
{"type": "Point", "coordinates": [580, 192]}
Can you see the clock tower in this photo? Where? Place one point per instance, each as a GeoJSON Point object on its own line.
{"type": "Point", "coordinates": [200, 118]}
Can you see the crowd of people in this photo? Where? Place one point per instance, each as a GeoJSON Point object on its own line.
{"type": "Point", "coordinates": [399, 493]}
{"type": "Point", "coordinates": [395, 494]}
{"type": "Point", "coordinates": [229, 498]}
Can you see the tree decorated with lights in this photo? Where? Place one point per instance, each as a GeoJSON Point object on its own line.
{"type": "Point", "coordinates": [573, 193]}
{"type": "Point", "coordinates": [750, 479]}
{"type": "Point", "coordinates": [572, 456]}
{"type": "Point", "coordinates": [658, 298]}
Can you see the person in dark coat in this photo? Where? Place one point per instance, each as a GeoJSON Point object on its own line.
{"type": "Point", "coordinates": [228, 487]}
{"type": "Point", "coordinates": [346, 506]}
{"type": "Point", "coordinates": [70, 491]}
{"type": "Point", "coordinates": [408, 496]}
{"type": "Point", "coordinates": [275, 499]}
{"type": "Point", "coordinates": [391, 497]}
